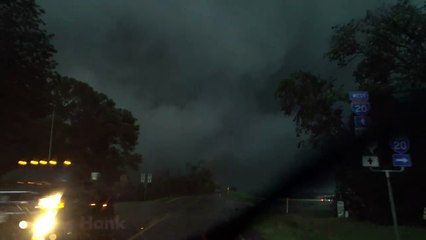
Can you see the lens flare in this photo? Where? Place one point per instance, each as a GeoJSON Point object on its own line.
{"type": "Point", "coordinates": [50, 202]}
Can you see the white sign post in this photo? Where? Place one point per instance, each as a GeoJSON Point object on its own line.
{"type": "Point", "coordinates": [424, 213]}
{"type": "Point", "coordinates": [340, 209]}
{"type": "Point", "coordinates": [145, 179]}
{"type": "Point", "coordinates": [143, 176]}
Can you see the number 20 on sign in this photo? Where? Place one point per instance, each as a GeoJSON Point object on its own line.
{"type": "Point", "coordinates": [400, 145]}
{"type": "Point", "coordinates": [360, 108]}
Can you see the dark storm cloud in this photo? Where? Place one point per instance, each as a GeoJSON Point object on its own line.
{"type": "Point", "coordinates": [197, 73]}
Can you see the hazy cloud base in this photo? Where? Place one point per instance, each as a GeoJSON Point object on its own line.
{"type": "Point", "coordinates": [197, 73]}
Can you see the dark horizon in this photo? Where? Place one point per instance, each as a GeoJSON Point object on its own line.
{"type": "Point", "coordinates": [201, 76]}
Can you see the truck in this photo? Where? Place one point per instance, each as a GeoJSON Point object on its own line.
{"type": "Point", "coordinates": [45, 202]}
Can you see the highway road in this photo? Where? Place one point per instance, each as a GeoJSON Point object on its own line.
{"type": "Point", "coordinates": [180, 218]}
{"type": "Point", "coordinates": [190, 217]}
{"type": "Point", "coordinates": [187, 217]}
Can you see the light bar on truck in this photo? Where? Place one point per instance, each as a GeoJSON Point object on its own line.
{"type": "Point", "coordinates": [34, 162]}
{"type": "Point", "coordinates": [22, 162]}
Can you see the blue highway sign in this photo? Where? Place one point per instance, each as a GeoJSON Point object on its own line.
{"type": "Point", "coordinates": [360, 108]}
{"type": "Point", "coordinates": [401, 160]}
{"type": "Point", "coordinates": [400, 145]}
{"type": "Point", "coordinates": [358, 96]}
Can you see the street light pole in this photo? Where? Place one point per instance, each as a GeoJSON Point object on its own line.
{"type": "Point", "coordinates": [51, 136]}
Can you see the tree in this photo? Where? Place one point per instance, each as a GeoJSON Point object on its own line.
{"type": "Point", "coordinates": [199, 178]}
{"type": "Point", "coordinates": [89, 129]}
{"type": "Point", "coordinates": [92, 131]}
{"type": "Point", "coordinates": [388, 49]}
{"type": "Point", "coordinates": [312, 101]}
{"type": "Point", "coordinates": [388, 46]}
{"type": "Point", "coordinates": [26, 67]}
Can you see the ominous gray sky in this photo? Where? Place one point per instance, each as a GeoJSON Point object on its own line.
{"type": "Point", "coordinates": [196, 73]}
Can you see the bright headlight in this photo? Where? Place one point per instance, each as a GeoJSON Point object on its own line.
{"type": "Point", "coordinates": [23, 224]}
{"type": "Point", "coordinates": [46, 222]}
{"type": "Point", "coordinates": [51, 202]}
{"type": "Point", "coordinates": [44, 225]}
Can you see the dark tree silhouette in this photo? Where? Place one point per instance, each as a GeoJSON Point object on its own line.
{"type": "Point", "coordinates": [26, 67]}
{"type": "Point", "coordinates": [388, 49]}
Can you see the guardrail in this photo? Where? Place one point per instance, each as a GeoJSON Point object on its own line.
{"type": "Point", "coordinates": [306, 205]}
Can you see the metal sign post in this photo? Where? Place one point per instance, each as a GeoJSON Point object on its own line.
{"type": "Point", "coordinates": [392, 205]}
{"type": "Point", "coordinates": [360, 107]}
{"type": "Point", "coordinates": [145, 179]}
{"type": "Point", "coordinates": [391, 200]}
{"type": "Point", "coordinates": [286, 205]}
{"type": "Point", "coordinates": [144, 182]}
{"type": "Point", "coordinates": [400, 159]}
{"type": "Point", "coordinates": [144, 190]}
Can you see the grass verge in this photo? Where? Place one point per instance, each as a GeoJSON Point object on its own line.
{"type": "Point", "coordinates": [294, 227]}
{"type": "Point", "coordinates": [241, 196]}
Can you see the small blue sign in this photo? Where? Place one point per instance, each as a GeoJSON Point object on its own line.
{"type": "Point", "coordinates": [401, 160]}
{"type": "Point", "coordinates": [358, 96]}
{"type": "Point", "coordinates": [360, 108]}
{"type": "Point", "coordinates": [360, 121]}
{"type": "Point", "coordinates": [400, 145]}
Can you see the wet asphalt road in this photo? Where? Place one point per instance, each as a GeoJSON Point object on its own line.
{"type": "Point", "coordinates": [180, 218]}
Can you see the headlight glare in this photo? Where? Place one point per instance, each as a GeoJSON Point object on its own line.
{"type": "Point", "coordinates": [44, 225]}
{"type": "Point", "coordinates": [51, 202]}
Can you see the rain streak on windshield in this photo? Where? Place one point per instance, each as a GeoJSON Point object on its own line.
{"type": "Point", "coordinates": [209, 119]}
